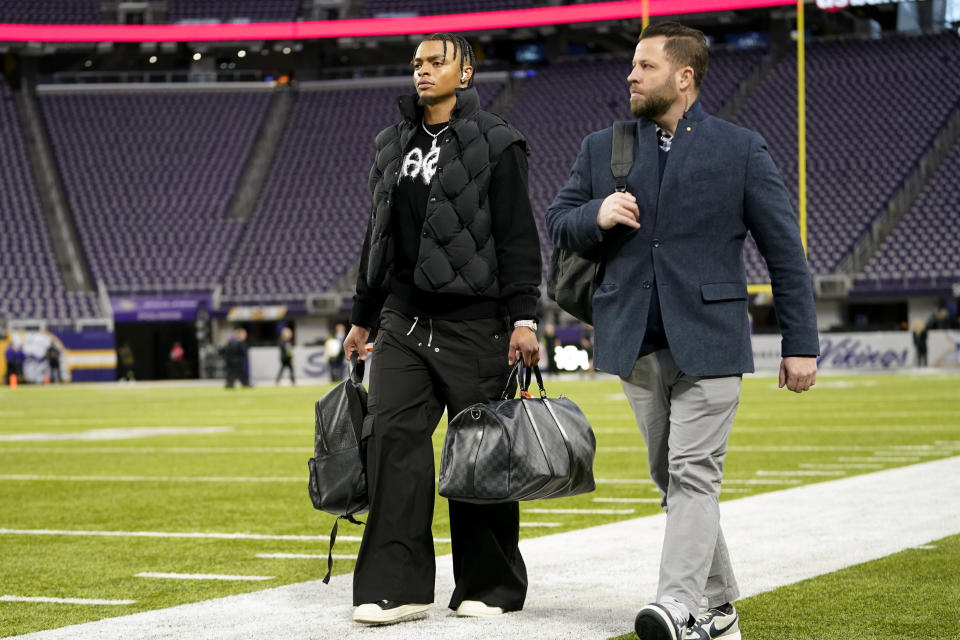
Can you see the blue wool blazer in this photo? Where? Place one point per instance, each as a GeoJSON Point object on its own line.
{"type": "Point", "coordinates": [719, 183]}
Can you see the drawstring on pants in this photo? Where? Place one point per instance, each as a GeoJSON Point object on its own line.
{"type": "Point", "coordinates": [416, 319]}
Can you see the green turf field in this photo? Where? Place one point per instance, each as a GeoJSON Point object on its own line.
{"type": "Point", "coordinates": [244, 472]}
{"type": "Point", "coordinates": [910, 595]}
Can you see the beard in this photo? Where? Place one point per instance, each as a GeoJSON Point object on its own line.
{"type": "Point", "coordinates": [655, 103]}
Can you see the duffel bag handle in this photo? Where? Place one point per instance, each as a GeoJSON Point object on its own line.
{"type": "Point", "coordinates": [356, 368]}
{"type": "Point", "coordinates": [514, 373]}
{"type": "Point", "coordinates": [526, 380]}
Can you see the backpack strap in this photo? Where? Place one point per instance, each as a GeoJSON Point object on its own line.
{"type": "Point", "coordinates": [621, 157]}
{"type": "Point", "coordinates": [333, 539]}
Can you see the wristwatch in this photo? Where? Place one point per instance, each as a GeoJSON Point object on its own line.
{"type": "Point", "coordinates": [529, 324]}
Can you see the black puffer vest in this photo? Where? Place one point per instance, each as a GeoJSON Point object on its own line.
{"type": "Point", "coordinates": [457, 253]}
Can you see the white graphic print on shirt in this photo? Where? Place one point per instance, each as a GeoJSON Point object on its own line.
{"type": "Point", "coordinates": [415, 164]}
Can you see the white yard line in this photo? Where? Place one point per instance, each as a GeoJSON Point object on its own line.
{"type": "Point", "coordinates": [83, 601]}
{"type": "Point", "coordinates": [802, 472]}
{"type": "Point", "coordinates": [629, 500]}
{"type": "Point", "coordinates": [840, 465]}
{"type": "Point", "coordinates": [228, 450]}
{"type": "Point", "coordinates": [303, 556]}
{"type": "Point", "coordinates": [186, 479]}
{"type": "Point", "coordinates": [183, 534]}
{"type": "Point", "coordinates": [122, 433]}
{"type": "Point", "coordinates": [170, 534]}
{"type": "Point", "coordinates": [588, 584]}
{"type": "Point", "coordinates": [201, 576]}
{"type": "Point", "coordinates": [598, 512]}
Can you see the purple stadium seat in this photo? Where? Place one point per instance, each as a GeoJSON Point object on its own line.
{"type": "Point", "coordinates": [862, 137]}
{"type": "Point", "coordinates": [924, 251]}
{"type": "Point", "coordinates": [31, 286]}
{"type": "Point", "coordinates": [50, 11]}
{"type": "Point", "coordinates": [384, 8]}
{"type": "Point", "coordinates": [149, 177]}
{"type": "Point", "coordinates": [233, 10]}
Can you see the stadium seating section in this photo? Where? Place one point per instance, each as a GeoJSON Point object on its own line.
{"type": "Point", "coordinates": [149, 176]}
{"type": "Point", "coordinates": [924, 251]}
{"type": "Point", "coordinates": [50, 11]}
{"type": "Point", "coordinates": [31, 286]}
{"type": "Point", "coordinates": [232, 10]}
{"type": "Point", "coordinates": [378, 8]}
{"type": "Point", "coordinates": [862, 141]}
{"type": "Point", "coordinates": [88, 11]}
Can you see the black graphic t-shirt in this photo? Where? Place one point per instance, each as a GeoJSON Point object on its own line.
{"type": "Point", "coordinates": [417, 169]}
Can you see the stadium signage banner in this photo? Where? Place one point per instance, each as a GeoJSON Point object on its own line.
{"type": "Point", "coordinates": [866, 351]}
{"type": "Point", "coordinates": [85, 356]}
{"type": "Point", "coordinates": [840, 5]}
{"type": "Point", "coordinates": [309, 363]}
{"type": "Point", "coordinates": [158, 309]}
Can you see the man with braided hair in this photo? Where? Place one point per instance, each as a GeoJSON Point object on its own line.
{"type": "Point", "coordinates": [450, 271]}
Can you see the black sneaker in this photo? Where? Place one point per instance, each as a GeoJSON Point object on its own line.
{"type": "Point", "coordinates": [388, 612]}
{"type": "Point", "coordinates": [665, 620]}
{"type": "Point", "coordinates": [716, 623]}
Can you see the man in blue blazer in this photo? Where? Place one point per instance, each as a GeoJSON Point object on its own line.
{"type": "Point", "coordinates": [670, 315]}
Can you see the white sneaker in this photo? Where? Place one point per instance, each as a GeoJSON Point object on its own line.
{"type": "Point", "coordinates": [388, 612]}
{"type": "Point", "coordinates": [477, 609]}
{"type": "Point", "coordinates": [665, 620]}
{"type": "Point", "coordinates": [716, 623]}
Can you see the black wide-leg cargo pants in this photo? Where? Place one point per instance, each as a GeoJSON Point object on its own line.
{"type": "Point", "coordinates": [418, 368]}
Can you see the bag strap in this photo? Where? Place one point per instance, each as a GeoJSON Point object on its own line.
{"type": "Point", "coordinates": [514, 373]}
{"type": "Point", "coordinates": [333, 539]}
{"type": "Point", "coordinates": [553, 414]}
{"type": "Point", "coordinates": [621, 157]}
{"type": "Point", "coordinates": [356, 368]}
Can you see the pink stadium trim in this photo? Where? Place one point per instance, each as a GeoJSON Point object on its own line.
{"type": "Point", "coordinates": [368, 27]}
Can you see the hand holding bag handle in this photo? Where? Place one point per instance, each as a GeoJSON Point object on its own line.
{"type": "Point", "coordinates": [356, 368]}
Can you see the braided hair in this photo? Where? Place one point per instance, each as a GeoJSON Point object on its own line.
{"type": "Point", "coordinates": [460, 47]}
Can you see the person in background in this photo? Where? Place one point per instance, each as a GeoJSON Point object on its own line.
{"type": "Point", "coordinates": [286, 355]}
{"type": "Point", "coordinates": [126, 360]}
{"type": "Point", "coordinates": [53, 363]}
{"type": "Point", "coordinates": [550, 343]}
{"type": "Point", "coordinates": [176, 360]}
{"type": "Point", "coordinates": [920, 342]}
{"type": "Point", "coordinates": [235, 358]}
{"type": "Point", "coordinates": [14, 357]}
{"type": "Point", "coordinates": [333, 352]}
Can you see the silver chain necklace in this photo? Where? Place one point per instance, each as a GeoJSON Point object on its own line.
{"type": "Point", "coordinates": [433, 143]}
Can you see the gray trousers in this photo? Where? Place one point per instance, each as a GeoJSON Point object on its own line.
{"type": "Point", "coordinates": [686, 423]}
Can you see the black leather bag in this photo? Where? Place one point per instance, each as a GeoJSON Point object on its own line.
{"type": "Point", "coordinates": [518, 449]}
{"type": "Point", "coordinates": [573, 278]}
{"type": "Point", "coordinates": [338, 478]}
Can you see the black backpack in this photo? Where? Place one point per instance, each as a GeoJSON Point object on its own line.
{"type": "Point", "coordinates": [338, 478]}
{"type": "Point", "coordinates": [572, 277]}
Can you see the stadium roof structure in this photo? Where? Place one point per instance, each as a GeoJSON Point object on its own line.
{"type": "Point", "coordinates": [372, 27]}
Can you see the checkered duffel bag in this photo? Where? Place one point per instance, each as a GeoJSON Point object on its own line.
{"type": "Point", "coordinates": [518, 449]}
